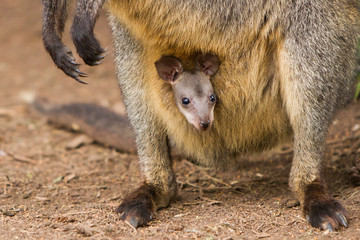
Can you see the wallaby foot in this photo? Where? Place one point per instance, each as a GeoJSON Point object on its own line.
{"type": "Point", "coordinates": [88, 47]}
{"type": "Point", "coordinates": [137, 208]}
{"type": "Point", "coordinates": [321, 210]}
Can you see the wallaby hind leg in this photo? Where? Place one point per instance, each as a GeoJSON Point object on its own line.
{"type": "Point", "coordinates": [159, 187]}
{"type": "Point", "coordinates": [316, 75]}
{"type": "Point", "coordinates": [319, 208]}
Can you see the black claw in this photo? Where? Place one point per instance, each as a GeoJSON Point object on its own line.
{"type": "Point", "coordinates": [71, 59]}
{"type": "Point", "coordinates": [328, 227]}
{"type": "Point", "coordinates": [81, 74]}
{"type": "Point", "coordinates": [80, 81]}
{"type": "Point", "coordinates": [342, 220]}
{"type": "Point", "coordinates": [74, 63]}
{"type": "Point", "coordinates": [104, 55]}
{"type": "Point", "coordinates": [100, 57]}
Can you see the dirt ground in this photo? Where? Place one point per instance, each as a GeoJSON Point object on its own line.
{"type": "Point", "coordinates": [51, 191]}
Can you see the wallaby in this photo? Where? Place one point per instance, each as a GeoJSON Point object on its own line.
{"type": "Point", "coordinates": [193, 92]}
{"type": "Point", "coordinates": [286, 67]}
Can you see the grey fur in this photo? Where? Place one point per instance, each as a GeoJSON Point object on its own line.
{"type": "Point", "coordinates": [319, 47]}
{"type": "Point", "coordinates": [287, 66]}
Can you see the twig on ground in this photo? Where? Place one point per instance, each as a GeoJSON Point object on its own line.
{"type": "Point", "coordinates": [21, 158]}
{"type": "Point", "coordinates": [355, 146]}
{"type": "Point", "coordinates": [216, 179]}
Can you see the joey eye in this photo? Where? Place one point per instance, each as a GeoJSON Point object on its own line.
{"type": "Point", "coordinates": [185, 101]}
{"type": "Point", "coordinates": [212, 98]}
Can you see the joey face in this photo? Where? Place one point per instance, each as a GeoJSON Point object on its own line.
{"type": "Point", "coordinates": [193, 92]}
{"type": "Point", "coordinates": [195, 98]}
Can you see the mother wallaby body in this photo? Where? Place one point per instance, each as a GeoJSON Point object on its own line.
{"type": "Point", "coordinates": [286, 66]}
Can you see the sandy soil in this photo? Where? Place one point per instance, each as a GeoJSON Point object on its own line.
{"type": "Point", "coordinates": [48, 191]}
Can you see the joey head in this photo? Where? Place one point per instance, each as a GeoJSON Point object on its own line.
{"type": "Point", "coordinates": [193, 92]}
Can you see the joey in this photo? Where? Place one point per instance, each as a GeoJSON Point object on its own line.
{"type": "Point", "coordinates": [193, 91]}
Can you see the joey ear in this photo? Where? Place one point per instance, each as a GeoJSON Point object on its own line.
{"type": "Point", "coordinates": [169, 68]}
{"type": "Point", "coordinates": [207, 63]}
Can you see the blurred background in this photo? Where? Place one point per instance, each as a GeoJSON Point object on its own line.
{"type": "Point", "coordinates": [25, 66]}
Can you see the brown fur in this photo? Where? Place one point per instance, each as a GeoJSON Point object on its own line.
{"type": "Point", "coordinates": [276, 78]}
{"type": "Point", "coordinates": [287, 66]}
{"type": "Point", "coordinates": [257, 102]}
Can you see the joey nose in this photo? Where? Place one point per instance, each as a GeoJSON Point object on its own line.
{"type": "Point", "coordinates": [204, 124]}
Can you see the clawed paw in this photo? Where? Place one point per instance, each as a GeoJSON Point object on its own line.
{"type": "Point", "coordinates": [327, 215]}
{"type": "Point", "coordinates": [88, 48]}
{"type": "Point", "coordinates": [137, 208]}
{"type": "Point", "coordinates": [136, 215]}
{"type": "Point", "coordinates": [66, 62]}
